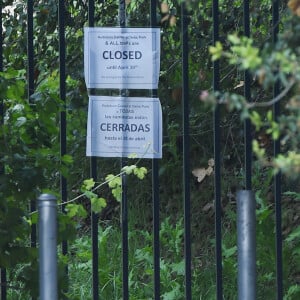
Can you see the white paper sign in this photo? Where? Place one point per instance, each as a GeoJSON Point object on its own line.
{"type": "Point", "coordinates": [121, 57]}
{"type": "Point", "coordinates": [124, 126]}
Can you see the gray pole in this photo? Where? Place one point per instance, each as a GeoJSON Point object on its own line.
{"type": "Point", "coordinates": [246, 245]}
{"type": "Point", "coordinates": [47, 229]}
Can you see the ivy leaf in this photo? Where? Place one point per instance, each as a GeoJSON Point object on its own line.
{"type": "Point", "coordinates": [109, 177]}
{"type": "Point", "coordinates": [76, 210]}
{"type": "Point", "coordinates": [98, 204]}
{"type": "Point", "coordinates": [88, 184]}
{"type": "Point", "coordinates": [90, 194]}
{"type": "Point", "coordinates": [140, 172]}
{"type": "Point", "coordinates": [129, 169]}
{"type": "Point", "coordinates": [117, 193]}
{"type": "Point", "coordinates": [113, 181]}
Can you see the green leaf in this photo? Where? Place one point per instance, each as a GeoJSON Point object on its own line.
{"type": "Point", "coordinates": [270, 116]}
{"type": "Point", "coordinates": [216, 51]}
{"type": "Point", "coordinates": [129, 169]}
{"type": "Point", "coordinates": [98, 204]}
{"type": "Point", "coordinates": [140, 172]}
{"type": "Point", "coordinates": [88, 184]}
{"type": "Point", "coordinates": [76, 210]}
{"type": "Point", "coordinates": [256, 120]}
{"type": "Point", "coordinates": [259, 152]}
{"type": "Point", "coordinates": [228, 252]}
{"type": "Point", "coordinates": [179, 268]}
{"type": "Point", "coordinates": [33, 218]}
{"type": "Point", "coordinates": [234, 39]}
{"type": "Point", "coordinates": [113, 181]}
{"type": "Point", "coordinates": [295, 234]}
{"type": "Point", "coordinates": [109, 177]}
{"type": "Point", "coordinates": [295, 195]}
{"type": "Point", "coordinates": [90, 194]}
{"type": "Point", "coordinates": [9, 73]}
{"type": "Point", "coordinates": [117, 193]}
{"type": "Point", "coordinates": [68, 159]}
{"type": "Point", "coordinates": [174, 294]}
{"type": "Point", "coordinates": [16, 91]}
{"type": "Point", "coordinates": [292, 292]}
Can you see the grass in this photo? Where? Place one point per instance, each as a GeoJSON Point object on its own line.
{"type": "Point", "coordinates": [140, 265]}
{"type": "Point", "coordinates": [172, 268]}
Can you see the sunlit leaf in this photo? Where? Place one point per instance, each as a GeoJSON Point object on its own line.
{"type": "Point", "coordinates": [88, 184]}
{"type": "Point", "coordinates": [98, 204]}
{"type": "Point", "coordinates": [140, 172]}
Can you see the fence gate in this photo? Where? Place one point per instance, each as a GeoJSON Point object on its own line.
{"type": "Point", "coordinates": [207, 153]}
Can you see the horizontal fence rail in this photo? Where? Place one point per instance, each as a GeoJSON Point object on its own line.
{"type": "Point", "coordinates": [125, 14]}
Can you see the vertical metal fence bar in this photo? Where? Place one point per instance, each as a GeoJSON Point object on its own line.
{"type": "Point", "coordinates": [155, 190]}
{"type": "Point", "coordinates": [217, 158]}
{"type": "Point", "coordinates": [247, 94]}
{"type": "Point", "coordinates": [124, 201]}
{"type": "Point", "coordinates": [122, 13]}
{"type": "Point", "coordinates": [246, 224]}
{"type": "Point", "coordinates": [3, 270]}
{"type": "Point", "coordinates": [93, 172]}
{"type": "Point", "coordinates": [62, 94]}
{"type": "Point", "coordinates": [30, 88]}
{"type": "Point", "coordinates": [3, 284]}
{"type": "Point", "coordinates": [156, 227]}
{"type": "Point", "coordinates": [277, 179]}
{"type": "Point", "coordinates": [91, 13]}
{"type": "Point", "coordinates": [30, 91]}
{"type": "Point", "coordinates": [30, 50]}
{"type": "Point", "coordinates": [124, 224]}
{"type": "Point", "coordinates": [94, 233]}
{"type": "Point", "coordinates": [47, 209]}
{"type": "Point", "coordinates": [186, 150]}
{"type": "Point", "coordinates": [1, 50]}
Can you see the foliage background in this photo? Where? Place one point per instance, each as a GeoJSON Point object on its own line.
{"type": "Point", "coordinates": [31, 162]}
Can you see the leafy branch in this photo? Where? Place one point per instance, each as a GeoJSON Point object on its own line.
{"type": "Point", "coordinates": [269, 65]}
{"type": "Point", "coordinates": [274, 100]}
{"type": "Point", "coordinates": [89, 190]}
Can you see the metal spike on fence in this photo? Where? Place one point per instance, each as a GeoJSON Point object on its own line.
{"type": "Point", "coordinates": [47, 229]}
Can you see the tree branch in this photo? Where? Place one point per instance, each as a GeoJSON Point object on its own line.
{"type": "Point", "coordinates": [275, 100]}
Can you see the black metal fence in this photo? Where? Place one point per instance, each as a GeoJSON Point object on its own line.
{"type": "Point", "coordinates": [186, 171]}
